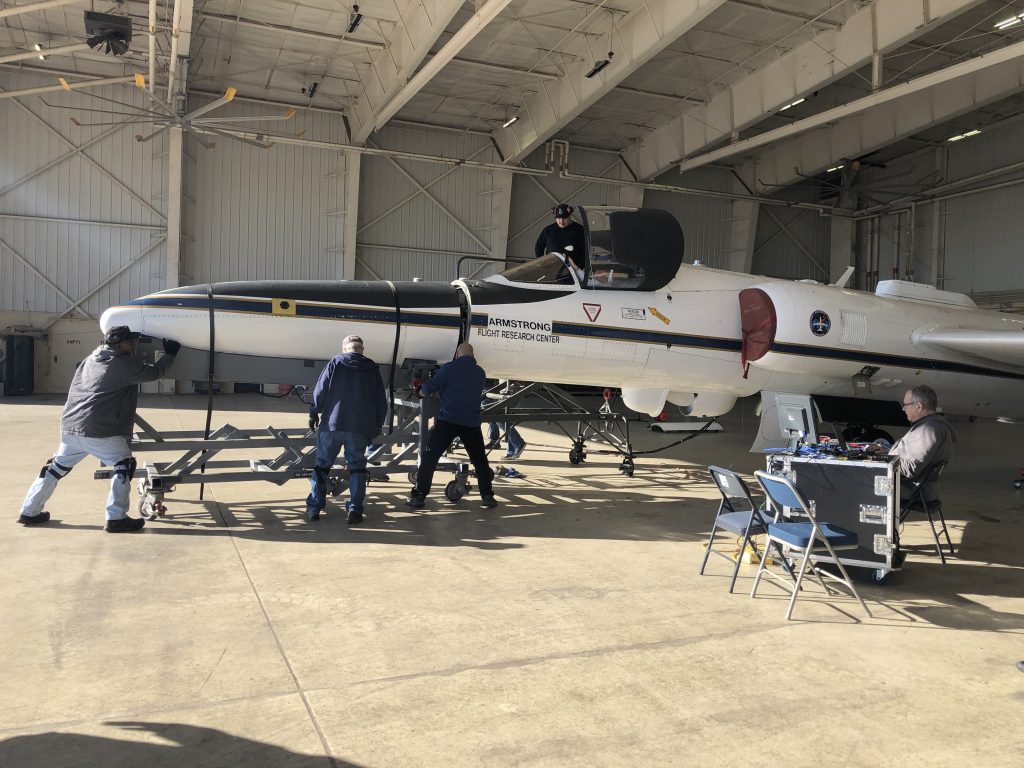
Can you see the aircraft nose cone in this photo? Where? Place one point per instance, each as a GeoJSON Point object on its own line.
{"type": "Point", "coordinates": [130, 316]}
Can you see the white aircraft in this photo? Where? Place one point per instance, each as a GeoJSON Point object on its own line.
{"type": "Point", "coordinates": [638, 319]}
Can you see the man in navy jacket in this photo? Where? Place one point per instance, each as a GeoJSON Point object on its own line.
{"type": "Point", "coordinates": [461, 384]}
{"type": "Point", "coordinates": [350, 397]}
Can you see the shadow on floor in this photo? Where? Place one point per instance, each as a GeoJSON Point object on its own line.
{"type": "Point", "coordinates": [524, 512]}
{"type": "Point", "coordinates": [192, 745]}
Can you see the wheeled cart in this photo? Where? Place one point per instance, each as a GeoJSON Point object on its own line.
{"type": "Point", "coordinates": [859, 495]}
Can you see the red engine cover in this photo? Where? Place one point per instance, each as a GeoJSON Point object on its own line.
{"type": "Point", "coordinates": [757, 319]}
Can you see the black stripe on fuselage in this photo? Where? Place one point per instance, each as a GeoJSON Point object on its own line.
{"type": "Point", "coordinates": [488, 293]}
{"type": "Point", "coordinates": [610, 333]}
{"type": "Point", "coordinates": [373, 293]}
{"type": "Point", "coordinates": [898, 361]}
{"type": "Point", "coordinates": [314, 311]}
{"type": "Point", "coordinates": [802, 350]}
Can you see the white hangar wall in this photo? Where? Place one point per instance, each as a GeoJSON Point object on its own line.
{"type": "Point", "coordinates": [82, 212]}
{"type": "Point", "coordinates": [704, 220]}
{"type": "Point", "coordinates": [983, 236]}
{"type": "Point", "coordinates": [417, 219]}
{"type": "Point", "coordinates": [264, 214]}
{"type": "Point", "coordinates": [971, 242]}
{"type": "Point", "coordinates": [792, 243]}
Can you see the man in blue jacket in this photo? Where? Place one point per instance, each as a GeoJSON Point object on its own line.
{"type": "Point", "coordinates": [350, 395]}
{"type": "Point", "coordinates": [461, 384]}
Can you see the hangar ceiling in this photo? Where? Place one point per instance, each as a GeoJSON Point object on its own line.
{"type": "Point", "coordinates": [691, 82]}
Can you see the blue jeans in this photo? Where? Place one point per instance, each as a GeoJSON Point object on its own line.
{"type": "Point", "coordinates": [328, 446]}
{"type": "Point", "coordinates": [515, 440]}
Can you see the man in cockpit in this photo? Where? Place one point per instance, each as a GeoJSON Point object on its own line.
{"type": "Point", "coordinates": [566, 237]}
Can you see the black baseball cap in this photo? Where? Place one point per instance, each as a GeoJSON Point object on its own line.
{"type": "Point", "coordinates": [120, 333]}
{"type": "Point", "coordinates": [563, 211]}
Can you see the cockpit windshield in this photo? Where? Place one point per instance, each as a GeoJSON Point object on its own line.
{"type": "Point", "coordinates": [605, 270]}
{"type": "Point", "coordinates": [547, 270]}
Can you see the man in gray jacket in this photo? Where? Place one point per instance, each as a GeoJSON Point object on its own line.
{"type": "Point", "coordinates": [930, 439]}
{"type": "Point", "coordinates": [97, 421]}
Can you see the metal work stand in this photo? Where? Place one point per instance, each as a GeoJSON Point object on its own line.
{"type": "Point", "coordinates": [558, 407]}
{"type": "Point", "coordinates": [198, 461]}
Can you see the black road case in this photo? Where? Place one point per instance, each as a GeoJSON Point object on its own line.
{"type": "Point", "coordinates": [859, 495]}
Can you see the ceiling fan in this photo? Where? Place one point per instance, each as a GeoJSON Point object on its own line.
{"type": "Point", "coordinates": [195, 122]}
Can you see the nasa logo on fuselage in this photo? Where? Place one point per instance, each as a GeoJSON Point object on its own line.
{"type": "Point", "coordinates": [821, 323]}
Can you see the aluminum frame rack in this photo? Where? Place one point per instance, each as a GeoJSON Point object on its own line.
{"type": "Point", "coordinates": [198, 459]}
{"type": "Point", "coordinates": [553, 405]}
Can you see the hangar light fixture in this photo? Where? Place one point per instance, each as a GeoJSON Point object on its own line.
{"type": "Point", "coordinates": [509, 122]}
{"type": "Point", "coordinates": [600, 64]}
{"type": "Point", "coordinates": [1013, 21]}
{"type": "Point", "coordinates": [354, 20]}
{"type": "Point", "coordinates": [834, 168]}
{"type": "Point", "coordinates": [39, 47]}
{"type": "Point", "coordinates": [792, 104]}
{"type": "Point", "coordinates": [965, 135]}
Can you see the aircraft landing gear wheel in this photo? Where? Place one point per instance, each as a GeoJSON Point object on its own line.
{"type": "Point", "coordinates": [881, 577]}
{"type": "Point", "coordinates": [452, 491]}
{"type": "Point", "coordinates": [413, 476]}
{"type": "Point", "coordinates": [627, 467]}
{"type": "Point", "coordinates": [334, 486]}
{"type": "Point", "coordinates": [577, 455]}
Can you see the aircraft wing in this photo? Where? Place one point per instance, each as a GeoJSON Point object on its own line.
{"type": "Point", "coordinates": [1005, 347]}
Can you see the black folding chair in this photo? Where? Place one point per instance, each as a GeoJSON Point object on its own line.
{"type": "Point", "coordinates": [738, 514]}
{"type": "Point", "coordinates": [918, 503]}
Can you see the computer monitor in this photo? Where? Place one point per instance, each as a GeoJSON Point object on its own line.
{"type": "Point", "coordinates": [796, 419]}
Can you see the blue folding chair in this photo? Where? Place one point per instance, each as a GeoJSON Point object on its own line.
{"type": "Point", "coordinates": [806, 541]}
{"type": "Point", "coordinates": [738, 514]}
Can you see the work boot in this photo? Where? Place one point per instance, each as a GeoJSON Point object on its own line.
{"type": "Point", "coordinates": [39, 519]}
{"type": "Point", "coordinates": [125, 525]}
{"type": "Point", "coordinates": [355, 517]}
{"type": "Point", "coordinates": [415, 500]}
{"type": "Point", "coordinates": [488, 502]}
{"type": "Point", "coordinates": [515, 454]}
{"type": "Point", "coordinates": [312, 514]}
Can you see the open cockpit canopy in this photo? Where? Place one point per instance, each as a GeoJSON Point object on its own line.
{"type": "Point", "coordinates": [629, 249]}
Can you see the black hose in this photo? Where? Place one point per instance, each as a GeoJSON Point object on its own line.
{"type": "Point", "coordinates": [209, 382]}
{"type": "Point", "coordinates": [689, 437]}
{"type": "Point", "coordinates": [394, 358]}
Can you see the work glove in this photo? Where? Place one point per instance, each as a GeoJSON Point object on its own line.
{"type": "Point", "coordinates": [171, 347]}
{"type": "Point", "coordinates": [314, 421]}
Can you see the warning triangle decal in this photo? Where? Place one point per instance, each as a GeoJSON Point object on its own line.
{"type": "Point", "coordinates": [592, 310]}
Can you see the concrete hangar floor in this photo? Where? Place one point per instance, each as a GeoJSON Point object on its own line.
{"type": "Point", "coordinates": [567, 627]}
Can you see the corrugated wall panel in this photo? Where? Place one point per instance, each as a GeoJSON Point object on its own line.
{"type": "Point", "coordinates": [779, 229]}
{"type": "Point", "coordinates": [979, 234]}
{"type": "Point", "coordinates": [264, 214]}
{"type": "Point", "coordinates": [985, 242]}
{"type": "Point", "coordinates": [87, 261]}
{"type": "Point", "coordinates": [405, 232]}
{"type": "Point", "coordinates": [984, 232]}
